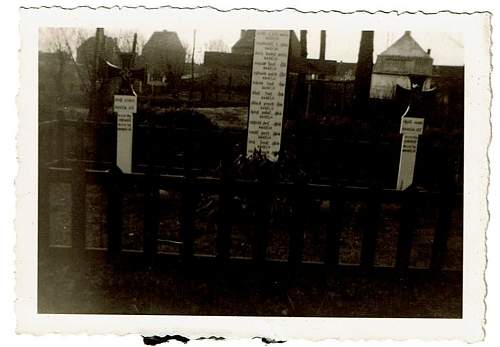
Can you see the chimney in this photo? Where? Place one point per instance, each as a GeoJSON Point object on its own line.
{"type": "Point", "coordinates": [242, 33]}
{"type": "Point", "coordinates": [407, 32]}
{"type": "Point", "coordinates": [428, 51]}
{"type": "Point", "coordinates": [303, 43]}
{"type": "Point", "coordinates": [322, 46]}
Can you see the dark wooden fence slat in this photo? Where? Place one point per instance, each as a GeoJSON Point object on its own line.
{"type": "Point", "coordinates": [296, 248]}
{"type": "Point", "coordinates": [151, 221]}
{"type": "Point", "coordinates": [337, 202]}
{"type": "Point", "coordinates": [224, 229]}
{"type": "Point", "coordinates": [152, 201]}
{"type": "Point", "coordinates": [407, 228]}
{"type": "Point", "coordinates": [43, 210]}
{"type": "Point", "coordinates": [369, 241]}
{"type": "Point", "coordinates": [78, 193]}
{"type": "Point", "coordinates": [60, 137]}
{"type": "Point", "coordinates": [441, 233]}
{"type": "Point", "coordinates": [447, 202]}
{"type": "Point", "coordinates": [259, 247]}
{"type": "Point", "coordinates": [114, 213]}
{"type": "Point", "coordinates": [188, 203]}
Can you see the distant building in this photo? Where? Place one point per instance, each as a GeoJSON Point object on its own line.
{"type": "Point", "coordinates": [245, 43]}
{"type": "Point", "coordinates": [403, 58]}
{"type": "Point", "coordinates": [164, 56]}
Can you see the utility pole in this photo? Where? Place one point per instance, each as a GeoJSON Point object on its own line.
{"type": "Point", "coordinates": [192, 67]}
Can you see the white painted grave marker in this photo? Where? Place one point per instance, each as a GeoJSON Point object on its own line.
{"type": "Point", "coordinates": [411, 128]}
{"type": "Point", "coordinates": [125, 106]}
{"type": "Point", "coordinates": [267, 98]}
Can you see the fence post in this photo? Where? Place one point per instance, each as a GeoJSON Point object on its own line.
{"type": "Point", "coordinates": [152, 200]}
{"type": "Point", "coordinates": [264, 199]}
{"type": "Point", "coordinates": [224, 230]}
{"type": "Point", "coordinates": [403, 251]}
{"type": "Point", "coordinates": [296, 248]}
{"type": "Point", "coordinates": [78, 192]}
{"type": "Point", "coordinates": [114, 185]}
{"type": "Point", "coordinates": [43, 209]}
{"type": "Point", "coordinates": [446, 203]}
{"type": "Point", "coordinates": [369, 242]}
{"type": "Point", "coordinates": [337, 202]}
{"type": "Point", "coordinates": [407, 227]}
{"type": "Point", "coordinates": [188, 202]}
{"type": "Point", "coordinates": [60, 138]}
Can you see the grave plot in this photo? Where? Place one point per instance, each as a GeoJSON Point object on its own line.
{"type": "Point", "coordinates": [199, 205]}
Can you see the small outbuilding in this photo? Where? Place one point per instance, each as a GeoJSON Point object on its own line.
{"type": "Point", "coordinates": [393, 67]}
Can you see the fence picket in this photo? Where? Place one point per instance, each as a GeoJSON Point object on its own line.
{"type": "Point", "coordinates": [407, 227]}
{"type": "Point", "coordinates": [188, 202]}
{"type": "Point", "coordinates": [259, 247]}
{"type": "Point", "coordinates": [296, 247]}
{"type": "Point", "coordinates": [369, 242]}
{"type": "Point", "coordinates": [337, 203]}
{"type": "Point", "coordinates": [224, 229]}
{"type": "Point", "coordinates": [78, 192]}
{"type": "Point", "coordinates": [151, 204]}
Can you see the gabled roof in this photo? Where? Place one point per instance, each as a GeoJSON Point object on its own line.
{"type": "Point", "coordinates": [406, 46]}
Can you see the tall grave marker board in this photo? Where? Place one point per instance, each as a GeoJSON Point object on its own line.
{"type": "Point", "coordinates": [411, 128]}
{"type": "Point", "coordinates": [125, 106]}
{"type": "Point", "coordinates": [267, 98]}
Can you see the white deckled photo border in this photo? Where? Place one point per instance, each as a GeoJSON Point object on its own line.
{"type": "Point", "coordinates": [476, 33]}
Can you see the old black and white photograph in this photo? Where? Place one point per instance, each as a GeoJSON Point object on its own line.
{"type": "Point", "coordinates": [273, 170]}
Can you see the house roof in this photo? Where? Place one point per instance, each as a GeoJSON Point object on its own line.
{"type": "Point", "coordinates": [406, 46]}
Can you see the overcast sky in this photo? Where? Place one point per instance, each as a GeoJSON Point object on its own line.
{"type": "Point", "coordinates": [446, 48]}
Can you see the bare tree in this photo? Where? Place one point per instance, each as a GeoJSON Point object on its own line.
{"type": "Point", "coordinates": [217, 46]}
{"type": "Point", "coordinates": [64, 42]}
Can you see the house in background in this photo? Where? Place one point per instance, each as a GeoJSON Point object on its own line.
{"type": "Point", "coordinates": [164, 57]}
{"type": "Point", "coordinates": [393, 67]}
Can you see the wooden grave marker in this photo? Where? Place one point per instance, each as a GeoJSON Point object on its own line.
{"type": "Point", "coordinates": [124, 106]}
{"type": "Point", "coordinates": [267, 98]}
{"type": "Point", "coordinates": [411, 128]}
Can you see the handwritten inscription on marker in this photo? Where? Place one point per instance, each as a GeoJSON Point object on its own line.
{"type": "Point", "coordinates": [411, 125]}
{"type": "Point", "coordinates": [267, 94]}
{"type": "Point", "coordinates": [124, 104]}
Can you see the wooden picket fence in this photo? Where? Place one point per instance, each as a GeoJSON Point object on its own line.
{"type": "Point", "coordinates": [57, 166]}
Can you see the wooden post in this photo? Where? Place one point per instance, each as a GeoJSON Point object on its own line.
{"type": "Point", "coordinates": [114, 211]}
{"type": "Point", "coordinates": [114, 215]}
{"type": "Point", "coordinates": [224, 230]}
{"type": "Point", "coordinates": [188, 204]}
{"type": "Point", "coordinates": [95, 96]}
{"type": "Point", "coordinates": [78, 194]}
{"type": "Point", "coordinates": [259, 247]}
{"type": "Point", "coordinates": [406, 230]}
{"type": "Point", "coordinates": [446, 203]}
{"type": "Point", "coordinates": [296, 248]}
{"type": "Point", "coordinates": [43, 210]}
{"type": "Point", "coordinates": [369, 242]}
{"type": "Point", "coordinates": [60, 138]}
{"type": "Point", "coordinates": [152, 200]}
{"type": "Point", "coordinates": [364, 69]}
